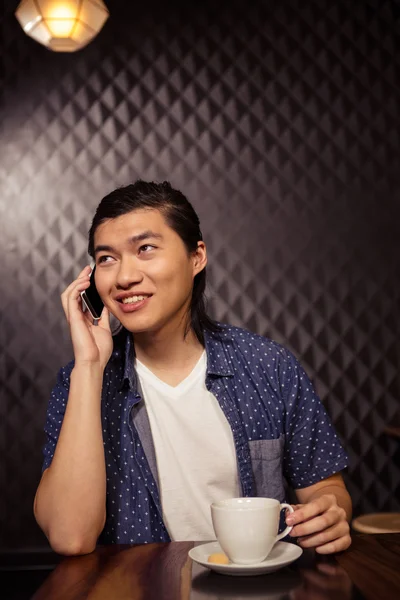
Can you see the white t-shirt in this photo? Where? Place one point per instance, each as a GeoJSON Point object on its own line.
{"type": "Point", "coordinates": [195, 452]}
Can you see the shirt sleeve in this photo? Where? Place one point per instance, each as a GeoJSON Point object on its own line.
{"type": "Point", "coordinates": [55, 413]}
{"type": "Point", "coordinates": [312, 448]}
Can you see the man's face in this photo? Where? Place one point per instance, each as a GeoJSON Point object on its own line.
{"type": "Point", "coordinates": [144, 273]}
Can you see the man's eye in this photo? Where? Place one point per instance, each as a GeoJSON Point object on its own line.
{"type": "Point", "coordinates": [103, 259]}
{"type": "Point", "coordinates": [146, 248]}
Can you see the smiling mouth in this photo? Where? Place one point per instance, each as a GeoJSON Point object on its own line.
{"type": "Point", "coordinates": [133, 299]}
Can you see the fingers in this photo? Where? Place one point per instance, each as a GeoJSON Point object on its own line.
{"type": "Point", "coordinates": [335, 546]}
{"type": "Point", "coordinates": [104, 321]}
{"type": "Point", "coordinates": [312, 509]}
{"type": "Point", "coordinates": [319, 523]}
{"type": "Point", "coordinates": [83, 276]}
{"type": "Point", "coordinates": [72, 292]}
{"type": "Point", "coordinates": [333, 539]}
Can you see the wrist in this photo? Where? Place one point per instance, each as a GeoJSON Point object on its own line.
{"type": "Point", "coordinates": [88, 368]}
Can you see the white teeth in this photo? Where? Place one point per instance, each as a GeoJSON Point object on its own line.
{"type": "Point", "coordinates": [132, 299]}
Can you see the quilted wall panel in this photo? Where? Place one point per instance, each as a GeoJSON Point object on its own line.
{"type": "Point", "coordinates": [280, 121]}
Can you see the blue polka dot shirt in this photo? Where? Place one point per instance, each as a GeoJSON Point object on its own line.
{"type": "Point", "coordinates": [282, 433]}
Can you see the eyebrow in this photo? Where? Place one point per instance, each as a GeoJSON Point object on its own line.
{"type": "Point", "coordinates": [140, 237]}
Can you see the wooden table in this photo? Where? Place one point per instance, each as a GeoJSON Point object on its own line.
{"type": "Point", "coordinates": [369, 570]}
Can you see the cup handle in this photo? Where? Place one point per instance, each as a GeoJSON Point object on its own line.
{"type": "Point", "coordinates": [289, 527]}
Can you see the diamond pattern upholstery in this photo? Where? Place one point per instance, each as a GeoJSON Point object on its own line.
{"type": "Point", "coordinates": [280, 121]}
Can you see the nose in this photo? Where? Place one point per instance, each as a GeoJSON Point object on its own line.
{"type": "Point", "coordinates": [128, 274]}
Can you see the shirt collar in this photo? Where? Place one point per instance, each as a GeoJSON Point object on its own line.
{"type": "Point", "coordinates": [217, 361]}
{"type": "Point", "coordinates": [129, 375]}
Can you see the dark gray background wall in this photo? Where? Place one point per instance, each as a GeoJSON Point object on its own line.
{"type": "Point", "coordinates": [280, 121]}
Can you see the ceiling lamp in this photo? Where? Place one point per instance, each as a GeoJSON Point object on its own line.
{"type": "Point", "coordinates": [63, 25]}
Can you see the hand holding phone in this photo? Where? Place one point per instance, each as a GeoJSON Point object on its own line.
{"type": "Point", "coordinates": [91, 334]}
{"type": "Point", "coordinates": [92, 300]}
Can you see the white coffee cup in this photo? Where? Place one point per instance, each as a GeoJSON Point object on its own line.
{"type": "Point", "coordinates": [247, 528]}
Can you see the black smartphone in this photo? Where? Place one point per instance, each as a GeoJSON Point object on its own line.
{"type": "Point", "coordinates": [91, 298]}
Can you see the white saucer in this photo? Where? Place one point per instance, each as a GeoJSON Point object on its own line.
{"type": "Point", "coordinates": [281, 555]}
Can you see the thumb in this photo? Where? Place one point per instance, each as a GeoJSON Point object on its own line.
{"type": "Point", "coordinates": [104, 321]}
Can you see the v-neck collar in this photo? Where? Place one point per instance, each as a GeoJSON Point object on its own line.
{"type": "Point", "coordinates": [148, 375]}
{"type": "Point", "coordinates": [218, 362]}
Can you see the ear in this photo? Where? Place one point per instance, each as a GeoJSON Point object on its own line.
{"type": "Point", "coordinates": [199, 258]}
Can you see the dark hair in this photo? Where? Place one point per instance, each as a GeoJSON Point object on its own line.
{"type": "Point", "coordinates": [180, 215]}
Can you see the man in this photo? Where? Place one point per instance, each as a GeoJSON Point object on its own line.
{"type": "Point", "coordinates": [146, 429]}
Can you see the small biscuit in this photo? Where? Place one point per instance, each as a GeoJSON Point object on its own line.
{"type": "Point", "coordinates": [219, 558]}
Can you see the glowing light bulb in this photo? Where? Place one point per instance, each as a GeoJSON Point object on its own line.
{"type": "Point", "coordinates": [62, 25]}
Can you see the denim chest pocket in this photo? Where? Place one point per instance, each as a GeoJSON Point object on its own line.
{"type": "Point", "coordinates": [266, 462]}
